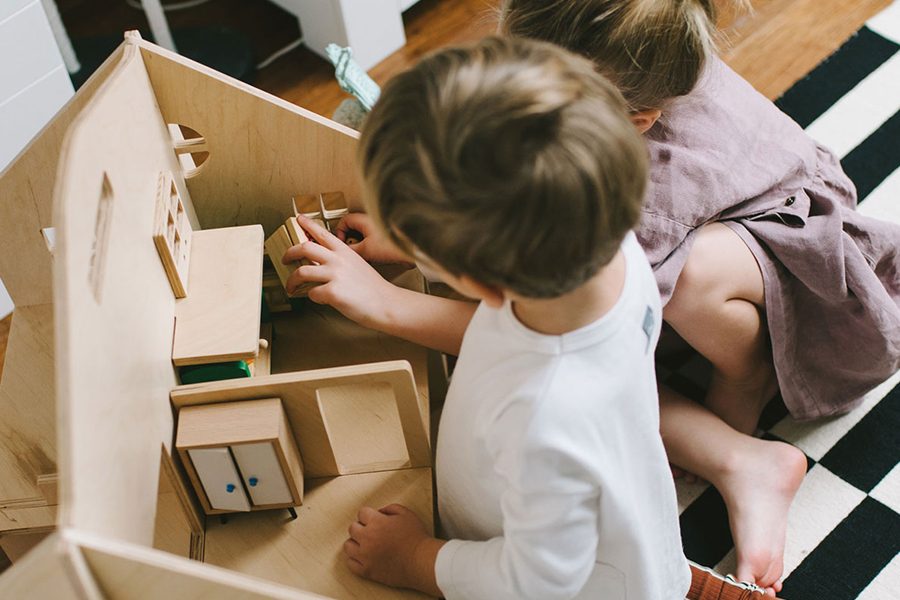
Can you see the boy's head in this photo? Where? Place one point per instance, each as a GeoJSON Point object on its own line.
{"type": "Point", "coordinates": [652, 50]}
{"type": "Point", "coordinates": [510, 162]}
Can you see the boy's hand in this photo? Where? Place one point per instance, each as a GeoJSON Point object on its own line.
{"type": "Point", "coordinates": [374, 247]}
{"type": "Point", "coordinates": [349, 283]}
{"type": "Point", "coordinates": [393, 547]}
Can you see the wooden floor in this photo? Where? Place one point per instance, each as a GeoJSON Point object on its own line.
{"type": "Point", "coordinates": [772, 46]}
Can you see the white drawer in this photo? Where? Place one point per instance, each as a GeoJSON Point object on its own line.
{"type": "Point", "coordinates": [262, 473]}
{"type": "Point", "coordinates": [220, 478]}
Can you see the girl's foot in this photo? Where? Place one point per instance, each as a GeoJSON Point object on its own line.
{"type": "Point", "coordinates": [758, 489]}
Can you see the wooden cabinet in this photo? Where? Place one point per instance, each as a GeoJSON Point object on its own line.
{"type": "Point", "coordinates": [240, 456]}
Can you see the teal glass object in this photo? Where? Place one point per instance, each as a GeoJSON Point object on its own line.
{"type": "Point", "coordinates": [353, 79]}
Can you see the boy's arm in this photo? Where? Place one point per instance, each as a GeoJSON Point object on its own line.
{"type": "Point", "coordinates": [548, 549]}
{"type": "Point", "coordinates": [550, 532]}
{"type": "Point", "coordinates": [353, 287]}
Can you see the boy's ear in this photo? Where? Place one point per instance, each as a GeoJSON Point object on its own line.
{"type": "Point", "coordinates": [491, 295]}
{"type": "Point", "coordinates": [645, 120]}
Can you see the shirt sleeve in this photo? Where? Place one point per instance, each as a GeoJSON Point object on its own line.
{"type": "Point", "coordinates": [550, 524]}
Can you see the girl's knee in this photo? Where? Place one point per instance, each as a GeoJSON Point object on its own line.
{"type": "Point", "coordinates": [697, 283]}
{"type": "Point", "coordinates": [719, 267]}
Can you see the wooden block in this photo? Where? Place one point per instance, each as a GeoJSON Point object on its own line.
{"type": "Point", "coordinates": [326, 209]}
{"type": "Point", "coordinates": [172, 234]}
{"type": "Point", "coordinates": [235, 425]}
{"type": "Point", "coordinates": [279, 243]}
{"type": "Point", "coordinates": [318, 204]}
{"type": "Point", "coordinates": [219, 320]}
{"type": "Point", "coordinates": [296, 232]}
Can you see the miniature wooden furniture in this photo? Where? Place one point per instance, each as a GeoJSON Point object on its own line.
{"type": "Point", "coordinates": [218, 321]}
{"type": "Point", "coordinates": [240, 456]}
{"type": "Point", "coordinates": [89, 371]}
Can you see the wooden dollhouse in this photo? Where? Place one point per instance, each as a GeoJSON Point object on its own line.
{"type": "Point", "coordinates": [132, 230]}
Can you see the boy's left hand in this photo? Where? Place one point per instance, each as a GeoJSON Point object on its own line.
{"type": "Point", "coordinates": [393, 547]}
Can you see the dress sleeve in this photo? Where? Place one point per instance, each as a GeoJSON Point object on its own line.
{"type": "Point", "coordinates": [550, 508]}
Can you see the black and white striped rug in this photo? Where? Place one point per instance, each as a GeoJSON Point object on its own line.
{"type": "Point", "coordinates": [843, 538]}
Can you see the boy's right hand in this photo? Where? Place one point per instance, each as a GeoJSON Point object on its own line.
{"type": "Point", "coordinates": [349, 283]}
{"type": "Point", "coordinates": [374, 247]}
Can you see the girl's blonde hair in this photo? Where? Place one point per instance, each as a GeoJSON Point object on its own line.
{"type": "Point", "coordinates": [652, 50]}
{"type": "Point", "coordinates": [510, 161]}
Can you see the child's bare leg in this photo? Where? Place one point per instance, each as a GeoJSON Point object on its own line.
{"type": "Point", "coordinates": [758, 480]}
{"type": "Point", "coordinates": [716, 308]}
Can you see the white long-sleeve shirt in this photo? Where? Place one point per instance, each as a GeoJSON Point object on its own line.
{"type": "Point", "coordinates": [552, 478]}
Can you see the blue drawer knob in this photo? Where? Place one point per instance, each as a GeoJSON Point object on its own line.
{"type": "Point", "coordinates": [229, 488]}
{"type": "Point", "coordinates": [253, 481]}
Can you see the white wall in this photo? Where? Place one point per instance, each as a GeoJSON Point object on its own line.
{"type": "Point", "coordinates": [34, 83]}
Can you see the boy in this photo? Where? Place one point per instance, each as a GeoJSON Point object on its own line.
{"type": "Point", "coordinates": [512, 169]}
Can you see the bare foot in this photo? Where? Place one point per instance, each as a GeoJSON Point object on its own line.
{"type": "Point", "coordinates": [740, 402]}
{"type": "Point", "coordinates": [758, 489]}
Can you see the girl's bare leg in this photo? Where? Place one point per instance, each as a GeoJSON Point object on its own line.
{"type": "Point", "coordinates": [718, 308]}
{"type": "Point", "coordinates": [758, 480]}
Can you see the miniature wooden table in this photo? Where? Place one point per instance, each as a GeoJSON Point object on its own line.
{"type": "Point", "coordinates": [218, 321]}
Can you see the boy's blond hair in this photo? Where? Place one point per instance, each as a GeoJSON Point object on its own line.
{"type": "Point", "coordinates": [510, 161]}
{"type": "Point", "coordinates": [652, 50]}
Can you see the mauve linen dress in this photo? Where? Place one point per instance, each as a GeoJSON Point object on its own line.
{"type": "Point", "coordinates": [832, 276]}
